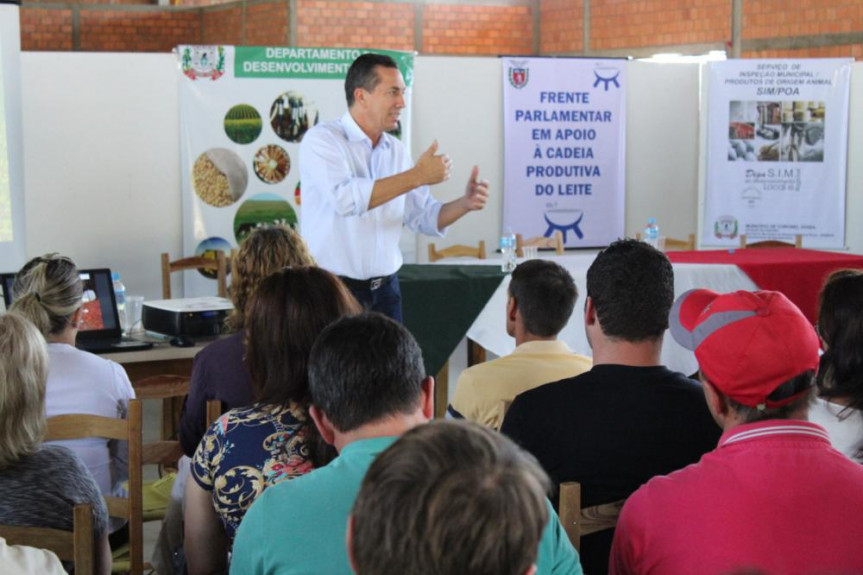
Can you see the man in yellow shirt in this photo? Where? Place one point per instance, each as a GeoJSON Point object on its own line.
{"type": "Point", "coordinates": [542, 296]}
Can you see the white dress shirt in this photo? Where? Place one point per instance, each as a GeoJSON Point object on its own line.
{"type": "Point", "coordinates": [338, 169]}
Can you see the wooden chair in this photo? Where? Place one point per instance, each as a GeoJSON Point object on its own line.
{"type": "Point", "coordinates": [578, 521]}
{"type": "Point", "coordinates": [555, 242]}
{"type": "Point", "coordinates": [218, 265]}
{"type": "Point", "coordinates": [214, 410]}
{"type": "Point", "coordinates": [673, 244]}
{"type": "Point", "coordinates": [76, 546]}
{"type": "Point", "coordinates": [457, 251]}
{"type": "Point", "coordinates": [171, 390]}
{"type": "Point", "coordinates": [798, 243]}
{"type": "Point", "coordinates": [65, 427]}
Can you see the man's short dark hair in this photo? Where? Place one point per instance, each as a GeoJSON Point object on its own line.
{"type": "Point", "coordinates": [631, 285]}
{"type": "Point", "coordinates": [365, 368]}
{"type": "Point", "coordinates": [801, 385]}
{"type": "Point", "coordinates": [544, 294]}
{"type": "Point", "coordinates": [450, 498]}
{"type": "Point", "coordinates": [362, 74]}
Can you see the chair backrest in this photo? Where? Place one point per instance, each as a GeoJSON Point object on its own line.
{"type": "Point", "coordinates": [457, 251]}
{"type": "Point", "coordinates": [674, 244]}
{"type": "Point", "coordinates": [554, 242]}
{"type": "Point", "coordinates": [214, 410]}
{"type": "Point", "coordinates": [78, 426]}
{"type": "Point", "coordinates": [77, 545]}
{"type": "Point", "coordinates": [578, 521]}
{"type": "Point", "coordinates": [172, 390]}
{"type": "Point", "coordinates": [218, 265]}
{"type": "Point", "coordinates": [798, 243]}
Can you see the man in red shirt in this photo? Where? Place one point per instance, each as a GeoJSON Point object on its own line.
{"type": "Point", "coordinates": [774, 496]}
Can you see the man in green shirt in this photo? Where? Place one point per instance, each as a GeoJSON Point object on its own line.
{"type": "Point", "coordinates": [368, 387]}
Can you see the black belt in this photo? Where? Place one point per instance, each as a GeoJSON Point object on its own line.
{"type": "Point", "coordinates": [367, 285]}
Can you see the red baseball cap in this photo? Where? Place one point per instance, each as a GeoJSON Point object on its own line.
{"type": "Point", "coordinates": [747, 343]}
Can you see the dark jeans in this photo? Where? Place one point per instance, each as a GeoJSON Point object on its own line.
{"type": "Point", "coordinates": [387, 299]}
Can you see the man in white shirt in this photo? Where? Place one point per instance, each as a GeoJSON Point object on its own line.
{"type": "Point", "coordinates": [360, 187]}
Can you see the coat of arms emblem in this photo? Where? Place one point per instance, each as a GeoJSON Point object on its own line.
{"type": "Point", "coordinates": [203, 61]}
{"type": "Point", "coordinates": [518, 74]}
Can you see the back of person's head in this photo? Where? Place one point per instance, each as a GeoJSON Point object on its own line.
{"type": "Point", "coordinates": [756, 348]}
{"type": "Point", "coordinates": [840, 325]}
{"type": "Point", "coordinates": [286, 313]}
{"type": "Point", "coordinates": [48, 291]}
{"type": "Point", "coordinates": [365, 368]}
{"type": "Point", "coordinates": [450, 498]}
{"type": "Point", "coordinates": [631, 285]}
{"type": "Point", "coordinates": [265, 251]}
{"type": "Point", "coordinates": [23, 372]}
{"type": "Point", "coordinates": [544, 295]}
{"type": "Point", "coordinates": [362, 74]}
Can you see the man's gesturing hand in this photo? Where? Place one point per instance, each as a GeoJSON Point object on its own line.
{"type": "Point", "coordinates": [476, 191]}
{"type": "Point", "coordinates": [433, 168]}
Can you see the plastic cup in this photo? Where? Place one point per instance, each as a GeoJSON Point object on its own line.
{"type": "Point", "coordinates": [134, 306]}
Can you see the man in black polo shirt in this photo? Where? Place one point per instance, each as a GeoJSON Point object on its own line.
{"type": "Point", "coordinates": [629, 418]}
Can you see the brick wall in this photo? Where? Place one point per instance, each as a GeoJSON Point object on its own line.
{"type": "Point", "coordinates": [267, 24]}
{"type": "Point", "coordinates": [223, 25]}
{"type": "Point", "coordinates": [618, 24]}
{"type": "Point", "coordinates": [137, 31]}
{"type": "Point", "coordinates": [452, 29]}
{"type": "Point", "coordinates": [355, 24]}
{"type": "Point", "coordinates": [774, 18]}
{"type": "Point", "coordinates": [468, 28]}
{"type": "Point", "coordinates": [562, 26]}
{"type": "Point", "coordinates": [46, 29]}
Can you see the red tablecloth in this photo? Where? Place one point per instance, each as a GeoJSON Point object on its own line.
{"type": "Point", "coordinates": [797, 273]}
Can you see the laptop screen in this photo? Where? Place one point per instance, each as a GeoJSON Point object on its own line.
{"type": "Point", "coordinates": [100, 319]}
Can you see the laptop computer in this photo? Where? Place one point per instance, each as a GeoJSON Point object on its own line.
{"type": "Point", "coordinates": [99, 331]}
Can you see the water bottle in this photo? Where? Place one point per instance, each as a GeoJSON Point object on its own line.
{"type": "Point", "coordinates": [507, 251]}
{"type": "Point", "coordinates": [120, 297]}
{"type": "Point", "coordinates": [651, 233]}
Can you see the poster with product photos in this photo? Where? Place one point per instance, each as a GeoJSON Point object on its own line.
{"type": "Point", "coordinates": [777, 151]}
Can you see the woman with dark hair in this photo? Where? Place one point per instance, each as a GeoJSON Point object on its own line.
{"type": "Point", "coordinates": [218, 371]}
{"type": "Point", "coordinates": [250, 448]}
{"type": "Point", "coordinates": [839, 406]}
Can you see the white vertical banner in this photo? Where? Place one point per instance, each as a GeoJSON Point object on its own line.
{"type": "Point", "coordinates": [564, 130]}
{"type": "Point", "coordinates": [777, 151]}
{"type": "Point", "coordinates": [243, 113]}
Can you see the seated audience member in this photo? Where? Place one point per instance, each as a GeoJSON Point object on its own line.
{"type": "Point", "coordinates": [774, 496]}
{"type": "Point", "coordinates": [22, 559]}
{"type": "Point", "coordinates": [218, 371]}
{"type": "Point", "coordinates": [368, 387]}
{"type": "Point", "coordinates": [541, 297]}
{"type": "Point", "coordinates": [449, 498]}
{"type": "Point", "coordinates": [48, 291]}
{"type": "Point", "coordinates": [839, 407]}
{"type": "Point", "coordinates": [41, 484]}
{"type": "Point", "coordinates": [628, 418]}
{"type": "Point", "coordinates": [249, 449]}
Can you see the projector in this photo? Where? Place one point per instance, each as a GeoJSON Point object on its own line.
{"type": "Point", "coordinates": [196, 316]}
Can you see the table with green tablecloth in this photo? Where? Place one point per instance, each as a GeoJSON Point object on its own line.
{"type": "Point", "coordinates": [440, 302]}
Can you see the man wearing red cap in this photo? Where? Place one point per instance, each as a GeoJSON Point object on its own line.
{"type": "Point", "coordinates": [774, 496]}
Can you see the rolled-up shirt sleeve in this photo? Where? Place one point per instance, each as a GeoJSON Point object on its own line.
{"type": "Point", "coordinates": [326, 170]}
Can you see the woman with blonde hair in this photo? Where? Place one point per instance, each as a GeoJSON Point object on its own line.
{"type": "Point", "coordinates": [49, 292]}
{"type": "Point", "coordinates": [41, 484]}
{"type": "Point", "coordinates": [218, 371]}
